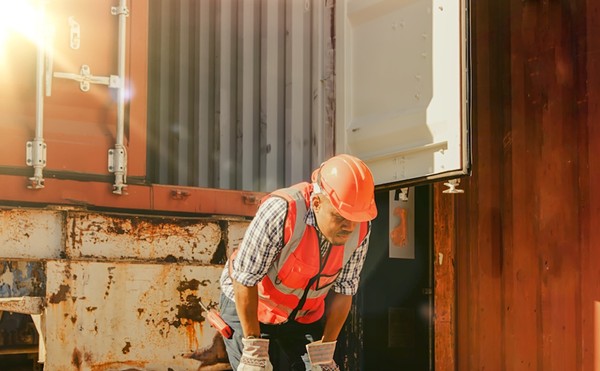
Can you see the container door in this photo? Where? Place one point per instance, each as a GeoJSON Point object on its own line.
{"type": "Point", "coordinates": [60, 78]}
{"type": "Point", "coordinates": [401, 88]}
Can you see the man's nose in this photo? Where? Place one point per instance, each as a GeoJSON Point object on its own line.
{"type": "Point", "coordinates": [348, 225]}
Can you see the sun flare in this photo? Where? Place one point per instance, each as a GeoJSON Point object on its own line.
{"type": "Point", "coordinates": [23, 19]}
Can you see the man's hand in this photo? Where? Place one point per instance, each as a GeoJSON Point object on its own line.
{"type": "Point", "coordinates": [320, 355]}
{"type": "Point", "coordinates": [255, 356]}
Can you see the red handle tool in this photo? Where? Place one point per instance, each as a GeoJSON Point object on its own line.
{"type": "Point", "coordinates": [215, 320]}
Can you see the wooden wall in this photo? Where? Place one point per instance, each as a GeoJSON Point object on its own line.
{"type": "Point", "coordinates": [521, 286]}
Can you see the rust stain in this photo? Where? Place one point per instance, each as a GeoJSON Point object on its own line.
{"type": "Point", "coordinates": [76, 358]}
{"type": "Point", "coordinates": [190, 309]}
{"type": "Point", "coordinates": [149, 229]}
{"type": "Point", "coordinates": [192, 284]}
{"type": "Point", "coordinates": [91, 309]}
{"type": "Point", "coordinates": [127, 347]}
{"type": "Point", "coordinates": [61, 295]}
{"type": "Point", "coordinates": [110, 281]}
{"type": "Point", "coordinates": [131, 366]}
{"type": "Point", "coordinates": [191, 334]}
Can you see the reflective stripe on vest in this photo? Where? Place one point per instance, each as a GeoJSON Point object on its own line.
{"type": "Point", "coordinates": [284, 285]}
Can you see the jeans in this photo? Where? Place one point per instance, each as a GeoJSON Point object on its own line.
{"type": "Point", "coordinates": [287, 342]}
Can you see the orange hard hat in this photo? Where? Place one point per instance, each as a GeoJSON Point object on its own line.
{"type": "Point", "coordinates": [348, 183]}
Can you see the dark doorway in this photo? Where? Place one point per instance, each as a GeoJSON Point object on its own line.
{"type": "Point", "coordinates": [395, 299]}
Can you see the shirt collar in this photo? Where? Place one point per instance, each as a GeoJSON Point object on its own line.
{"type": "Point", "coordinates": [311, 220]}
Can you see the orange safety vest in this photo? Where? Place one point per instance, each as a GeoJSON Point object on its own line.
{"type": "Point", "coordinates": [297, 283]}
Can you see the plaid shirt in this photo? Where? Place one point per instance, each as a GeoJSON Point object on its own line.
{"type": "Point", "coordinates": [264, 240]}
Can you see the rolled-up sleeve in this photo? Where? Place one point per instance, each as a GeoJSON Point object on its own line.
{"type": "Point", "coordinates": [262, 242]}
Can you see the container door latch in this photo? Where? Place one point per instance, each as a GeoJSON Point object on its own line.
{"type": "Point", "coordinates": [86, 78]}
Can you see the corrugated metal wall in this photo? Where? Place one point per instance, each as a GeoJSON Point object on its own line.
{"type": "Point", "coordinates": [240, 92]}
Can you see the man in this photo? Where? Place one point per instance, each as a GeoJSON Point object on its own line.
{"type": "Point", "coordinates": [303, 241]}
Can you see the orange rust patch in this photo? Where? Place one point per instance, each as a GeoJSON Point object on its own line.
{"type": "Point", "coordinates": [61, 295]}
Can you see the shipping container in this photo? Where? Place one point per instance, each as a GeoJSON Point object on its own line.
{"type": "Point", "coordinates": [140, 136]}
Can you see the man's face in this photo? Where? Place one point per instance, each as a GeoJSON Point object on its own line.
{"type": "Point", "coordinates": [334, 227]}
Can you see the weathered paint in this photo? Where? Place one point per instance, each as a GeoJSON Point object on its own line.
{"type": "Point", "coordinates": [22, 287]}
{"type": "Point", "coordinates": [111, 237]}
{"type": "Point", "coordinates": [235, 234]}
{"type": "Point", "coordinates": [118, 315]}
{"type": "Point", "coordinates": [125, 294]}
{"type": "Point", "coordinates": [144, 198]}
{"type": "Point", "coordinates": [24, 304]}
{"type": "Point", "coordinates": [29, 234]}
{"type": "Point", "coordinates": [22, 278]}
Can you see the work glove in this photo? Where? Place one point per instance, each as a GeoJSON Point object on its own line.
{"type": "Point", "coordinates": [320, 355]}
{"type": "Point", "coordinates": [255, 356]}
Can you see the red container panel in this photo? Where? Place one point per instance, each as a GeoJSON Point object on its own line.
{"type": "Point", "coordinates": [79, 127]}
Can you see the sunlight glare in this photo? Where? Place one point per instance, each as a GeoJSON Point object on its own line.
{"type": "Point", "coordinates": [597, 336]}
{"type": "Point", "coordinates": [20, 17]}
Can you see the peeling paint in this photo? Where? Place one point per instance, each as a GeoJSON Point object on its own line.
{"type": "Point", "coordinates": [59, 296]}
{"type": "Point", "coordinates": [31, 234]}
{"type": "Point", "coordinates": [148, 238]}
{"type": "Point", "coordinates": [22, 278]}
{"type": "Point", "coordinates": [159, 303]}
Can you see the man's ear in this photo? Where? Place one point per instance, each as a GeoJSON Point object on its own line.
{"type": "Point", "coordinates": [316, 202]}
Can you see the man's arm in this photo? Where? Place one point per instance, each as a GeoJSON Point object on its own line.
{"type": "Point", "coordinates": [258, 250]}
{"type": "Point", "coordinates": [339, 299]}
{"type": "Point", "coordinates": [246, 304]}
{"type": "Point", "coordinates": [336, 312]}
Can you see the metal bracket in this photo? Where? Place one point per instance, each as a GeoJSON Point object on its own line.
{"type": "Point", "coordinates": [117, 164]}
{"type": "Point", "coordinates": [75, 38]}
{"type": "Point", "coordinates": [178, 194]}
{"type": "Point", "coordinates": [401, 194]}
{"type": "Point", "coordinates": [251, 199]}
{"type": "Point", "coordinates": [118, 10]}
{"type": "Point", "coordinates": [86, 78]}
{"type": "Point", "coordinates": [452, 184]}
{"type": "Point", "coordinates": [36, 157]}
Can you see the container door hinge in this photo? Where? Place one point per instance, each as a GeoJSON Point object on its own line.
{"type": "Point", "coordinates": [452, 184]}
{"type": "Point", "coordinates": [117, 164]}
{"type": "Point", "coordinates": [85, 78]}
{"type": "Point", "coordinates": [36, 157]}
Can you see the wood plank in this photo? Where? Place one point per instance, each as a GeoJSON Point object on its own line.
{"type": "Point", "coordinates": [521, 276]}
{"type": "Point", "coordinates": [589, 204]}
{"type": "Point", "coordinates": [487, 198]}
{"type": "Point", "coordinates": [444, 278]}
{"type": "Point", "coordinates": [558, 185]}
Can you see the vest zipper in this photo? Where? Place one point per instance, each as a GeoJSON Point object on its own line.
{"type": "Point", "coordinates": [322, 263]}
